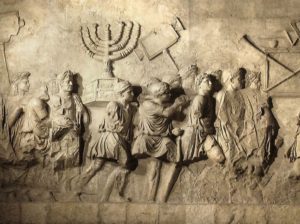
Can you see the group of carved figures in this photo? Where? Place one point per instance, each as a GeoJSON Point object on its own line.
{"type": "Point", "coordinates": [33, 129]}
{"type": "Point", "coordinates": [169, 127]}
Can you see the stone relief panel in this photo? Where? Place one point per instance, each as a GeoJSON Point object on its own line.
{"type": "Point", "coordinates": [187, 137]}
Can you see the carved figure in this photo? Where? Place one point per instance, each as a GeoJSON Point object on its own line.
{"type": "Point", "coordinates": [260, 127]}
{"type": "Point", "coordinates": [198, 139]}
{"type": "Point", "coordinates": [231, 114]}
{"type": "Point", "coordinates": [114, 141]}
{"type": "Point", "coordinates": [36, 122]}
{"type": "Point", "coordinates": [155, 134]}
{"type": "Point", "coordinates": [26, 120]}
{"type": "Point", "coordinates": [248, 127]}
{"type": "Point", "coordinates": [7, 154]}
{"type": "Point", "coordinates": [293, 153]}
{"type": "Point", "coordinates": [67, 113]}
{"type": "Point", "coordinates": [22, 141]}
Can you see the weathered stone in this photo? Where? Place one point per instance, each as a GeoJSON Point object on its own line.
{"type": "Point", "coordinates": [198, 214]}
{"type": "Point", "coordinates": [73, 213]}
{"type": "Point", "coordinates": [112, 213]}
{"type": "Point", "coordinates": [10, 213]}
{"type": "Point", "coordinates": [34, 213]}
{"type": "Point", "coordinates": [142, 213]}
{"type": "Point", "coordinates": [169, 214]}
{"type": "Point", "coordinates": [284, 214]}
{"type": "Point", "coordinates": [256, 214]}
{"type": "Point", "coordinates": [195, 108]}
{"type": "Point", "coordinates": [226, 214]}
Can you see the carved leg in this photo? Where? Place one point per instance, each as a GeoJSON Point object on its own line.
{"type": "Point", "coordinates": [118, 176]}
{"type": "Point", "coordinates": [171, 179]}
{"type": "Point", "coordinates": [213, 150]}
{"type": "Point", "coordinates": [154, 175]}
{"type": "Point", "coordinates": [90, 172]}
{"type": "Point", "coordinates": [122, 181]}
{"type": "Point", "coordinates": [295, 172]}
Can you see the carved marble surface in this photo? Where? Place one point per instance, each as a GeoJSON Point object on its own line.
{"type": "Point", "coordinates": [222, 136]}
{"type": "Point", "coordinates": [204, 134]}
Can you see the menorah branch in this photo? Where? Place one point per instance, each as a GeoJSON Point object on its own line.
{"type": "Point", "coordinates": [90, 47]}
{"type": "Point", "coordinates": [131, 45]}
{"type": "Point", "coordinates": [124, 40]}
{"type": "Point", "coordinates": [118, 38]}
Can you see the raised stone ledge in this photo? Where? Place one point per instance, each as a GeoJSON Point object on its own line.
{"type": "Point", "coordinates": [147, 213]}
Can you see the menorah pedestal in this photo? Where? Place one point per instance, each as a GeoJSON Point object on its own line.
{"type": "Point", "coordinates": [100, 91]}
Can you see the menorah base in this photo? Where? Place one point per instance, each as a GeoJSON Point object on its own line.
{"type": "Point", "coordinates": [100, 91]}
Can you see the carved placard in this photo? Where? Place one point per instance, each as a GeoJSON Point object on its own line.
{"type": "Point", "coordinates": [283, 83]}
{"type": "Point", "coordinates": [159, 40]}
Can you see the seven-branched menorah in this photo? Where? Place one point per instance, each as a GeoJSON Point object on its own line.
{"type": "Point", "coordinates": [102, 47]}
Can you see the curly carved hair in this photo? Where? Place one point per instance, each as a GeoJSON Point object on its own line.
{"type": "Point", "coordinates": [200, 78]}
{"type": "Point", "coordinates": [158, 89]}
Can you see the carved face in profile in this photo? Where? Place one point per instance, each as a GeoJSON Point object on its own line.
{"type": "Point", "coordinates": [165, 96]}
{"type": "Point", "coordinates": [237, 82]}
{"type": "Point", "coordinates": [23, 85]}
{"type": "Point", "coordinates": [206, 85]}
{"type": "Point", "coordinates": [238, 79]}
{"type": "Point", "coordinates": [128, 95]}
{"type": "Point", "coordinates": [66, 84]}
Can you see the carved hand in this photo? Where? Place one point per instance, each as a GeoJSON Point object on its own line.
{"type": "Point", "coordinates": [177, 131]}
{"type": "Point", "coordinates": [76, 128]}
{"type": "Point", "coordinates": [181, 101]}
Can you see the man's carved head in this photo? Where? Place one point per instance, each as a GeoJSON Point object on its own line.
{"type": "Point", "coordinates": [204, 83]}
{"type": "Point", "coordinates": [20, 84]}
{"type": "Point", "coordinates": [175, 81]}
{"type": "Point", "coordinates": [160, 90]}
{"type": "Point", "coordinates": [66, 81]}
{"type": "Point", "coordinates": [124, 89]}
{"type": "Point", "coordinates": [237, 79]}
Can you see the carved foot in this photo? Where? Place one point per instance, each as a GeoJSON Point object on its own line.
{"type": "Point", "coordinates": [294, 175]}
{"type": "Point", "coordinates": [124, 199]}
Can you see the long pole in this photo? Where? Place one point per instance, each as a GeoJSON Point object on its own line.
{"type": "Point", "coordinates": [4, 74]}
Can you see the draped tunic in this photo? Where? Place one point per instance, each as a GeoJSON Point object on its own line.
{"type": "Point", "coordinates": [7, 154]}
{"type": "Point", "coordinates": [66, 115]}
{"type": "Point", "coordinates": [201, 118]}
{"type": "Point", "coordinates": [154, 134]}
{"type": "Point", "coordinates": [115, 134]}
